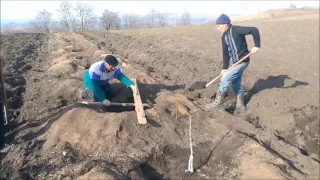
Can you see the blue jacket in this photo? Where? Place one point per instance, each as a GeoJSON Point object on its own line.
{"type": "Point", "coordinates": [97, 76]}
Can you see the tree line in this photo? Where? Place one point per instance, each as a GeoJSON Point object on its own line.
{"type": "Point", "coordinates": [82, 18]}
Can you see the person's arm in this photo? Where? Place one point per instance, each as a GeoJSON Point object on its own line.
{"type": "Point", "coordinates": [249, 30]}
{"type": "Point", "coordinates": [226, 56]}
{"type": "Point", "coordinates": [122, 78]}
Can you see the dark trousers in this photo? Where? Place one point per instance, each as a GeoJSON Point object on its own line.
{"type": "Point", "coordinates": [109, 92]}
{"type": "Point", "coordinates": [2, 138]}
{"type": "Point", "coordinates": [106, 88]}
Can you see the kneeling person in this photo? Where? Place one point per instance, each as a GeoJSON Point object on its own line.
{"type": "Point", "coordinates": [96, 80]}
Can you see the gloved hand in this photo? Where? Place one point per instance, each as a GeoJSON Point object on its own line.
{"type": "Point", "coordinates": [106, 102]}
{"type": "Point", "coordinates": [223, 71]}
{"type": "Point", "coordinates": [134, 88]}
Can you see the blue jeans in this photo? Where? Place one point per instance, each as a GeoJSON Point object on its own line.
{"type": "Point", "coordinates": [233, 78]}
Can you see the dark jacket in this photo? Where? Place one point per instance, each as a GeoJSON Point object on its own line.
{"type": "Point", "coordinates": [234, 43]}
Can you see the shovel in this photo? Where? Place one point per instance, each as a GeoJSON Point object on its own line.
{"type": "Point", "coordinates": [238, 62]}
{"type": "Point", "coordinates": [113, 104]}
{"type": "Point", "coordinates": [200, 85]}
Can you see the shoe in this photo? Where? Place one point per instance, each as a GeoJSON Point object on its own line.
{"type": "Point", "coordinates": [217, 103]}
{"type": "Point", "coordinates": [240, 103]}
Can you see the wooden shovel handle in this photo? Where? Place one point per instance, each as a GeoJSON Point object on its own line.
{"type": "Point", "coordinates": [245, 57]}
{"type": "Point", "coordinates": [114, 104]}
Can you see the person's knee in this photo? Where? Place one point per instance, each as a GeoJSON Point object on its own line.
{"type": "Point", "coordinates": [224, 86]}
{"type": "Point", "coordinates": [225, 79]}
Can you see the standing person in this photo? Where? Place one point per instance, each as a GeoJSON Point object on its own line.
{"type": "Point", "coordinates": [234, 47]}
{"type": "Point", "coordinates": [96, 80]}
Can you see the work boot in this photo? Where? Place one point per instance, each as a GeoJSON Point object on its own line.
{"type": "Point", "coordinates": [240, 103]}
{"type": "Point", "coordinates": [217, 102]}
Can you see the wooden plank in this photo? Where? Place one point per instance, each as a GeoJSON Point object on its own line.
{"type": "Point", "coordinates": [138, 106]}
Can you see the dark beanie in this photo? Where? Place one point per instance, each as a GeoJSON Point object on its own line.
{"type": "Point", "coordinates": [111, 60]}
{"type": "Point", "coordinates": [223, 19]}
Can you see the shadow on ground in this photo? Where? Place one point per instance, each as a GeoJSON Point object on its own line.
{"type": "Point", "coordinates": [273, 82]}
{"type": "Point", "coordinates": [280, 82]}
{"type": "Point", "coordinates": [148, 92]}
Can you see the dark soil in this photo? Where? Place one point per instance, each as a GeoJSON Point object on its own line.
{"type": "Point", "coordinates": [57, 138]}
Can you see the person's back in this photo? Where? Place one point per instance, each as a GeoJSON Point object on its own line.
{"type": "Point", "coordinates": [235, 44]}
{"type": "Point", "coordinates": [97, 72]}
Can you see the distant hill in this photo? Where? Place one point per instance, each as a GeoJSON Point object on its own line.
{"type": "Point", "coordinates": [15, 22]}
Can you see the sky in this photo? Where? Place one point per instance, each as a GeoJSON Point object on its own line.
{"type": "Point", "coordinates": [11, 10]}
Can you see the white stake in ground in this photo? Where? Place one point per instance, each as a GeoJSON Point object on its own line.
{"type": "Point", "coordinates": [190, 163]}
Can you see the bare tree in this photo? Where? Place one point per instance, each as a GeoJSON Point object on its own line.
{"type": "Point", "coordinates": [56, 26]}
{"type": "Point", "coordinates": [135, 21]}
{"type": "Point", "coordinates": [74, 24]}
{"type": "Point", "coordinates": [43, 21]}
{"type": "Point", "coordinates": [185, 19]}
{"type": "Point", "coordinates": [94, 23]}
{"type": "Point", "coordinates": [126, 21]}
{"type": "Point", "coordinates": [151, 19]}
{"type": "Point", "coordinates": [110, 20]}
{"type": "Point", "coordinates": [84, 15]}
{"type": "Point", "coordinates": [162, 20]}
{"type": "Point", "coordinates": [33, 26]}
{"type": "Point", "coordinates": [131, 21]}
{"type": "Point", "coordinates": [67, 19]}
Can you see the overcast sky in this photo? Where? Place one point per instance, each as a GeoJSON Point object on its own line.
{"type": "Point", "coordinates": [29, 9]}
